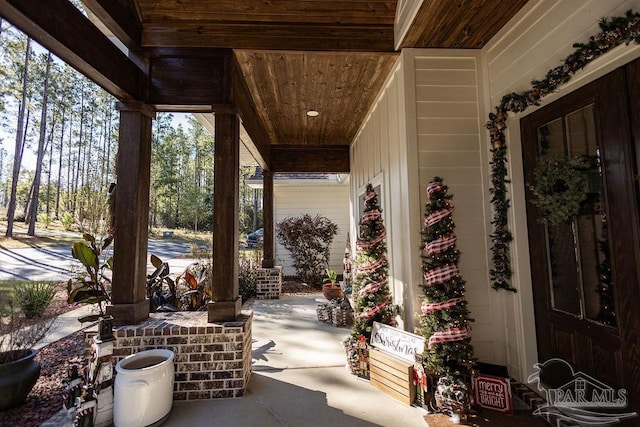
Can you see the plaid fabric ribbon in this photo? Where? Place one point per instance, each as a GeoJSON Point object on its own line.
{"type": "Point", "coordinates": [370, 195]}
{"type": "Point", "coordinates": [449, 334]}
{"type": "Point", "coordinates": [371, 288]}
{"type": "Point", "coordinates": [441, 244]}
{"type": "Point", "coordinates": [374, 310]}
{"type": "Point", "coordinates": [371, 215]}
{"type": "Point", "coordinates": [438, 215]}
{"type": "Point", "coordinates": [366, 245]}
{"type": "Point", "coordinates": [372, 266]}
{"type": "Point", "coordinates": [433, 187]}
{"type": "Point", "coordinates": [441, 274]}
{"type": "Point", "coordinates": [445, 305]}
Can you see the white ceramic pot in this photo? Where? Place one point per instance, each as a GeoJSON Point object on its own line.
{"type": "Point", "coordinates": [143, 390]}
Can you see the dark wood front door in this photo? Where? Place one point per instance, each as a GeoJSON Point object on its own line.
{"type": "Point", "coordinates": [585, 270]}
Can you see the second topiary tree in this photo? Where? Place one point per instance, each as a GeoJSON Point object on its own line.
{"type": "Point", "coordinates": [445, 318]}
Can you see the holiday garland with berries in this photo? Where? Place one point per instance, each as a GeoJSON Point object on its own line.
{"type": "Point", "coordinates": [370, 281]}
{"type": "Point", "coordinates": [445, 319]}
{"type": "Point", "coordinates": [614, 31]}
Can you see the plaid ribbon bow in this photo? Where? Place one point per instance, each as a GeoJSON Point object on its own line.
{"type": "Point", "coordinates": [371, 215]}
{"type": "Point", "coordinates": [372, 266]}
{"type": "Point", "coordinates": [433, 187]}
{"type": "Point", "coordinates": [441, 274]}
{"type": "Point", "coordinates": [449, 334]}
{"type": "Point", "coordinates": [366, 245]}
{"type": "Point", "coordinates": [437, 216]}
{"type": "Point", "coordinates": [445, 305]}
{"type": "Point", "coordinates": [374, 310]}
{"type": "Point", "coordinates": [441, 244]}
{"type": "Point", "coordinates": [371, 288]}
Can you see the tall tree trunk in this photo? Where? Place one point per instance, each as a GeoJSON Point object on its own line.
{"type": "Point", "coordinates": [33, 212]}
{"type": "Point", "coordinates": [17, 158]}
{"type": "Point", "coordinates": [59, 184]}
{"type": "Point", "coordinates": [78, 159]}
{"type": "Point", "coordinates": [50, 151]}
{"type": "Point", "coordinates": [69, 163]}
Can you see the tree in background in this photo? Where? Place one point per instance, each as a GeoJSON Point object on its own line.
{"type": "Point", "coordinates": [445, 318]}
{"type": "Point", "coordinates": [370, 282]}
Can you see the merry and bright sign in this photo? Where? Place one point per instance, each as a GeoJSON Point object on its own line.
{"type": "Point", "coordinates": [493, 393]}
{"type": "Point", "coordinates": [403, 344]}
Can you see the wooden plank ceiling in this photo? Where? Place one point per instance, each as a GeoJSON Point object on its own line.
{"type": "Point", "coordinates": [293, 56]}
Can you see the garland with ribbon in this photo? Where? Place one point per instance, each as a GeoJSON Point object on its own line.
{"type": "Point", "coordinates": [614, 31]}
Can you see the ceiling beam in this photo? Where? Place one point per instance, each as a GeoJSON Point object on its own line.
{"type": "Point", "coordinates": [199, 78]}
{"type": "Point", "coordinates": [120, 18]}
{"type": "Point", "coordinates": [241, 96]}
{"type": "Point", "coordinates": [300, 158]}
{"type": "Point", "coordinates": [272, 36]}
{"type": "Point", "coordinates": [65, 31]}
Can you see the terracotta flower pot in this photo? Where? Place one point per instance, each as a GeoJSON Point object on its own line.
{"type": "Point", "coordinates": [332, 291]}
{"type": "Point", "coordinates": [17, 378]}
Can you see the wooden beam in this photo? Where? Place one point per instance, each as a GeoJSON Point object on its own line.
{"type": "Point", "coordinates": [272, 36]}
{"type": "Point", "coordinates": [226, 302]}
{"type": "Point", "coordinates": [268, 258]}
{"type": "Point", "coordinates": [133, 168]}
{"type": "Point", "coordinates": [120, 18]}
{"type": "Point", "coordinates": [292, 158]}
{"type": "Point", "coordinates": [65, 31]}
{"type": "Point", "coordinates": [242, 99]}
{"type": "Point", "coordinates": [198, 78]}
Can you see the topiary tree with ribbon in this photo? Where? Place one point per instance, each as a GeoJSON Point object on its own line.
{"type": "Point", "coordinates": [370, 280]}
{"type": "Point", "coordinates": [444, 319]}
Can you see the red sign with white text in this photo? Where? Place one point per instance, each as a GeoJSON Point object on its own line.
{"type": "Point", "coordinates": [493, 393]}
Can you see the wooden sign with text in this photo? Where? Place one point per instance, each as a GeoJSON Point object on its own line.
{"type": "Point", "coordinates": [400, 343]}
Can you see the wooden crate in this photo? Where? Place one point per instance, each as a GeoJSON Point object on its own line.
{"type": "Point", "coordinates": [392, 375]}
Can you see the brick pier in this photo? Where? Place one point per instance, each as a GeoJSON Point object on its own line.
{"type": "Point", "coordinates": [212, 360]}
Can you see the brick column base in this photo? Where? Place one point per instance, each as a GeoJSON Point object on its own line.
{"type": "Point", "coordinates": [212, 360]}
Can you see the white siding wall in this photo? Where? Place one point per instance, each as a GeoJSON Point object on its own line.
{"type": "Point", "coordinates": [331, 201]}
{"type": "Point", "coordinates": [537, 39]}
{"type": "Point", "coordinates": [385, 149]}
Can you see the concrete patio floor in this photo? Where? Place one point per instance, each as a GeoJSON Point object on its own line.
{"type": "Point", "coordinates": [299, 378]}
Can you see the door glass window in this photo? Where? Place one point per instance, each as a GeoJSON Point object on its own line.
{"type": "Point", "coordinates": [578, 251]}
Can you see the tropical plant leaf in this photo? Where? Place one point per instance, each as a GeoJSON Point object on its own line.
{"type": "Point", "coordinates": [155, 261]}
{"type": "Point", "coordinates": [106, 242]}
{"type": "Point", "coordinates": [85, 255]}
{"type": "Point", "coordinates": [90, 318]}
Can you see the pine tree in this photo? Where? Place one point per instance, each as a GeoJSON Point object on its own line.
{"type": "Point", "coordinates": [445, 318]}
{"type": "Point", "coordinates": [370, 281]}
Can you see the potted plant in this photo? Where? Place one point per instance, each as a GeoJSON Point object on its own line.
{"type": "Point", "coordinates": [331, 288]}
{"type": "Point", "coordinates": [19, 371]}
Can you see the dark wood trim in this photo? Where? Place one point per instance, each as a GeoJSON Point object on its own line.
{"type": "Point", "coordinates": [241, 97]}
{"type": "Point", "coordinates": [133, 169]}
{"type": "Point", "coordinates": [268, 259]}
{"type": "Point", "coordinates": [197, 78]}
{"type": "Point", "coordinates": [121, 19]}
{"type": "Point", "coordinates": [271, 36]}
{"type": "Point", "coordinates": [225, 218]}
{"type": "Point", "coordinates": [300, 158]}
{"type": "Point", "coordinates": [60, 27]}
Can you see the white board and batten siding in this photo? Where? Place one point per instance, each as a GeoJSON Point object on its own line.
{"type": "Point", "coordinates": [537, 39]}
{"type": "Point", "coordinates": [329, 200]}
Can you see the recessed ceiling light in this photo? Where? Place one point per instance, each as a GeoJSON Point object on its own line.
{"type": "Point", "coordinates": [312, 113]}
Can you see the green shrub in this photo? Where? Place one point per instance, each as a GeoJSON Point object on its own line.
{"type": "Point", "coordinates": [247, 278]}
{"type": "Point", "coordinates": [308, 239]}
{"type": "Point", "coordinates": [34, 297]}
{"type": "Point", "coordinates": [45, 220]}
{"type": "Point", "coordinates": [67, 221]}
